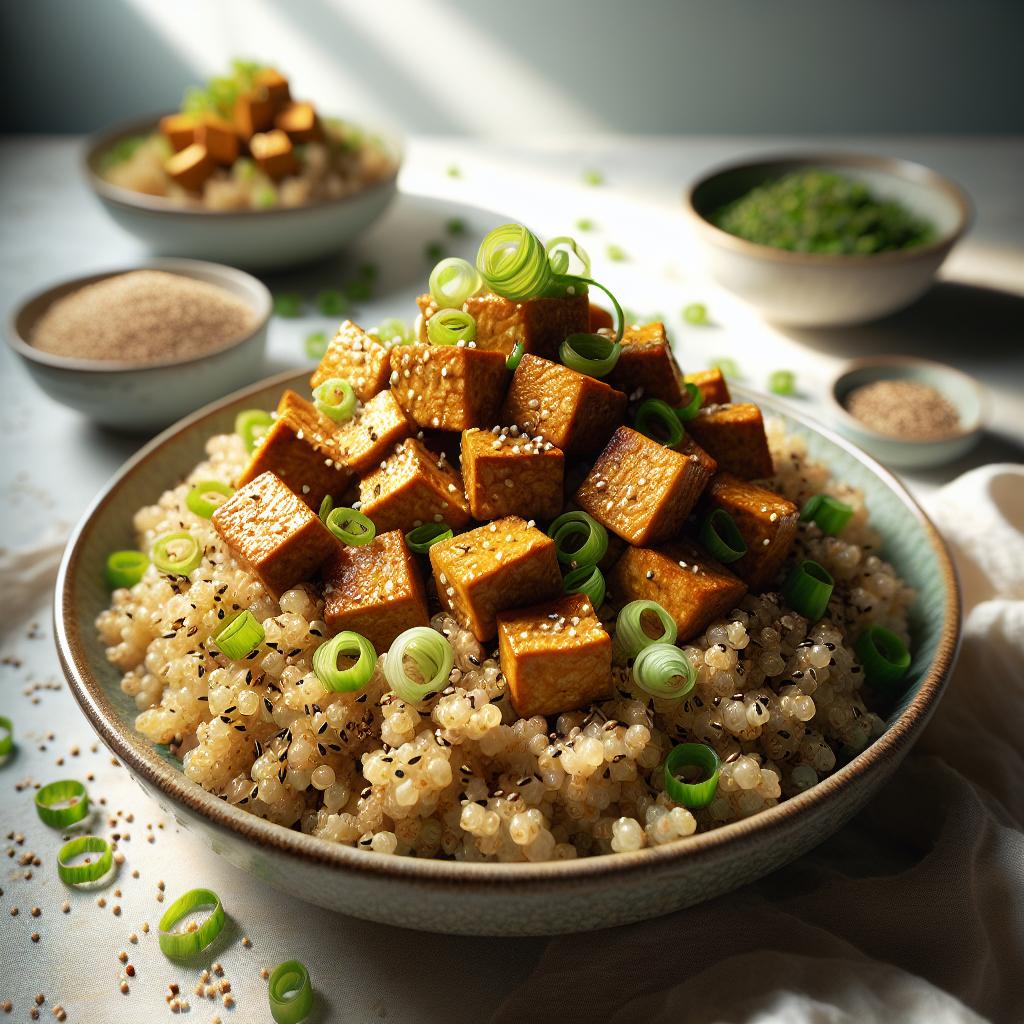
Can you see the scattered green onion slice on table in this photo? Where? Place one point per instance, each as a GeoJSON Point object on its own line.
{"type": "Point", "coordinates": [663, 670]}
{"type": "Point", "coordinates": [335, 399]}
{"type": "Point", "coordinates": [629, 627]}
{"type": "Point", "coordinates": [63, 803]}
{"type": "Point", "coordinates": [693, 399]}
{"type": "Point", "coordinates": [453, 281]}
{"type": "Point", "coordinates": [592, 354]}
{"type": "Point", "coordinates": [585, 224]}
{"type": "Point", "coordinates": [241, 636]}
{"type": "Point", "coordinates": [695, 313]}
{"type": "Point", "coordinates": [315, 345]}
{"type": "Point", "coordinates": [433, 251]}
{"type": "Point", "coordinates": [455, 226]}
{"type": "Point", "coordinates": [422, 538]}
{"type": "Point", "coordinates": [592, 177]}
{"type": "Point", "coordinates": [251, 425]}
{"type": "Point", "coordinates": [288, 304]}
{"type": "Point", "coordinates": [182, 944]}
{"type": "Point", "coordinates": [587, 580]}
{"type": "Point", "coordinates": [830, 514]}
{"type": "Point", "coordinates": [573, 525]}
{"type": "Point", "coordinates": [6, 735]}
{"type": "Point", "coordinates": [782, 382]}
{"type": "Point", "coordinates": [722, 538]}
{"type": "Point", "coordinates": [204, 497]}
{"type": "Point", "coordinates": [350, 526]}
{"type": "Point", "coordinates": [808, 588]}
{"type": "Point", "coordinates": [125, 568]}
{"type": "Point", "coordinates": [346, 644]}
{"type": "Point", "coordinates": [697, 755]}
{"type": "Point", "coordinates": [290, 993]}
{"type": "Point", "coordinates": [559, 250]}
{"type": "Point", "coordinates": [617, 254]}
{"type": "Point", "coordinates": [94, 870]}
{"type": "Point", "coordinates": [359, 291]}
{"type": "Point", "coordinates": [658, 421]}
{"type": "Point", "coordinates": [451, 327]}
{"type": "Point", "coordinates": [331, 302]}
{"type": "Point", "coordinates": [884, 656]}
{"type": "Point", "coordinates": [515, 357]}
{"type": "Point", "coordinates": [726, 366]}
{"type": "Point", "coordinates": [176, 554]}
{"type": "Point", "coordinates": [432, 655]}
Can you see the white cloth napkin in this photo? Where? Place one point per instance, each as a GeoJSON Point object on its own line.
{"type": "Point", "coordinates": [914, 911]}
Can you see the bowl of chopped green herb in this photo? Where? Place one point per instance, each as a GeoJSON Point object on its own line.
{"type": "Point", "coordinates": [826, 239]}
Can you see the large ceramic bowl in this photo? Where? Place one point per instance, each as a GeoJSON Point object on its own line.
{"type": "Point", "coordinates": [824, 289]}
{"type": "Point", "coordinates": [437, 895]}
{"type": "Point", "coordinates": [260, 239]}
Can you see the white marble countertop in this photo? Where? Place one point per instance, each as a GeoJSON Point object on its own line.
{"type": "Point", "coordinates": [53, 463]}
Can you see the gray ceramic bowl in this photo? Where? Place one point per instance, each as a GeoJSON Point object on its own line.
{"type": "Point", "coordinates": [260, 239]}
{"type": "Point", "coordinates": [436, 895]}
{"type": "Point", "coordinates": [137, 398]}
{"type": "Point", "coordinates": [822, 289]}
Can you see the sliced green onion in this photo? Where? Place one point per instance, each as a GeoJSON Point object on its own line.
{"type": "Point", "coordinates": [570, 525]}
{"type": "Point", "coordinates": [265, 198]}
{"type": "Point", "coordinates": [726, 366]}
{"type": "Point", "coordinates": [251, 425]}
{"type": "Point", "coordinates": [350, 526]}
{"type": "Point", "coordinates": [241, 636]}
{"type": "Point", "coordinates": [722, 538]}
{"type": "Point", "coordinates": [422, 538]}
{"type": "Point", "coordinates": [587, 580]}
{"type": "Point", "coordinates": [513, 263]}
{"type": "Point", "coordinates": [453, 171]}
{"type": "Point", "coordinates": [288, 304]}
{"type": "Point", "coordinates": [391, 332]}
{"type": "Point", "coordinates": [829, 513]}
{"type": "Point", "coordinates": [331, 302]}
{"type": "Point", "coordinates": [693, 400]}
{"type": "Point", "coordinates": [358, 291]}
{"type": "Point", "coordinates": [591, 177]}
{"type": "Point", "coordinates": [515, 357]}
{"type": "Point", "coordinates": [695, 313]}
{"type": "Point", "coordinates": [94, 870]}
{"type": "Point", "coordinates": [368, 271]}
{"type": "Point", "coordinates": [182, 944]}
{"type": "Point", "coordinates": [176, 554]}
{"type": "Point", "coordinates": [559, 249]}
{"type": "Point", "coordinates": [585, 224]}
{"type": "Point", "coordinates": [664, 671]}
{"type": "Point", "coordinates": [290, 993]}
{"type": "Point", "coordinates": [658, 421]}
{"type": "Point", "coordinates": [315, 345]}
{"type": "Point", "coordinates": [345, 645]}
{"type": "Point", "coordinates": [125, 568]}
{"type": "Point", "coordinates": [455, 226]}
{"type": "Point", "coordinates": [336, 399]}
{"type": "Point", "coordinates": [782, 382]}
{"type": "Point", "coordinates": [453, 281]}
{"type": "Point", "coordinates": [617, 254]}
{"type": "Point", "coordinates": [433, 657]}
{"type": "Point", "coordinates": [433, 251]}
{"type": "Point", "coordinates": [808, 588]}
{"type": "Point", "coordinates": [62, 803]}
{"type": "Point", "coordinates": [6, 735]}
{"type": "Point", "coordinates": [325, 508]}
{"type": "Point", "coordinates": [629, 627]}
{"type": "Point", "coordinates": [451, 327]}
{"type": "Point", "coordinates": [696, 755]}
{"type": "Point", "coordinates": [205, 496]}
{"type": "Point", "coordinates": [592, 354]}
{"type": "Point", "coordinates": [884, 656]}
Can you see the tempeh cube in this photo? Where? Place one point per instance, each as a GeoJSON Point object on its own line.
{"type": "Point", "coordinates": [734, 436]}
{"type": "Point", "coordinates": [253, 112]}
{"type": "Point", "coordinates": [190, 167]}
{"type": "Point", "coordinates": [274, 152]}
{"type": "Point", "coordinates": [220, 139]}
{"type": "Point", "coordinates": [357, 357]}
{"type": "Point", "coordinates": [179, 130]}
{"type": "Point", "coordinates": [646, 367]}
{"type": "Point", "coordinates": [300, 123]}
{"type": "Point", "coordinates": [372, 434]}
{"type": "Point", "coordinates": [273, 85]}
{"type": "Point", "coordinates": [711, 384]}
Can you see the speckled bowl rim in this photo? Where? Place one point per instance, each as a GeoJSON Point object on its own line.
{"type": "Point", "coordinates": [140, 201]}
{"type": "Point", "coordinates": [141, 759]}
{"type": "Point", "coordinates": [896, 167]}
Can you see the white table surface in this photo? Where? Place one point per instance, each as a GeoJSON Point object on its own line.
{"type": "Point", "coordinates": [53, 463]}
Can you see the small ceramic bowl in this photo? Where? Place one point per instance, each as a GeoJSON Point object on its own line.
{"type": "Point", "coordinates": [144, 398]}
{"type": "Point", "coordinates": [964, 392]}
{"type": "Point", "coordinates": [825, 289]}
{"type": "Point", "coordinates": [260, 239]}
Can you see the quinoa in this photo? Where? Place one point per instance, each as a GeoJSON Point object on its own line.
{"type": "Point", "coordinates": [461, 775]}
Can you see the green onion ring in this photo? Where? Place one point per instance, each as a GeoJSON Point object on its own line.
{"type": "Point", "coordinates": [782, 382]}
{"type": "Point", "coordinates": [125, 568]}
{"type": "Point", "coordinates": [722, 538]}
{"type": "Point", "coordinates": [290, 993]}
{"type": "Point", "coordinates": [176, 565]}
{"type": "Point", "coordinates": [350, 526]}
{"type": "Point", "coordinates": [451, 327]}
{"type": "Point", "coordinates": [325, 508]}
{"type": "Point", "coordinates": [587, 580]}
{"type": "Point", "coordinates": [663, 670]}
{"type": "Point", "coordinates": [241, 636]}
{"type": "Point", "coordinates": [6, 735]}
{"type": "Point", "coordinates": [515, 357]}
{"type": "Point", "coordinates": [315, 345]}
{"type": "Point", "coordinates": [884, 656]}
{"type": "Point", "coordinates": [68, 791]}
{"type": "Point", "coordinates": [808, 588]}
{"type": "Point", "coordinates": [345, 645]}
{"type": "Point", "coordinates": [695, 313]}
{"type": "Point", "coordinates": [629, 627]}
{"type": "Point", "coordinates": [559, 257]}
{"type": "Point", "coordinates": [76, 874]}
{"type": "Point", "coordinates": [454, 281]}
{"type": "Point", "coordinates": [335, 399]}
{"type": "Point", "coordinates": [692, 402]}
{"type": "Point", "coordinates": [830, 514]}
{"type": "Point", "coordinates": [514, 264]}
{"type": "Point", "coordinates": [251, 425]}
{"type": "Point", "coordinates": [422, 538]}
{"type": "Point", "coordinates": [654, 416]}
{"type": "Point", "coordinates": [205, 496]}
{"type": "Point", "coordinates": [591, 549]}
{"type": "Point", "coordinates": [182, 944]}
{"type": "Point", "coordinates": [430, 652]}
{"type": "Point", "coordinates": [391, 332]}
{"type": "Point", "coordinates": [692, 794]}
{"type": "Point", "coordinates": [592, 354]}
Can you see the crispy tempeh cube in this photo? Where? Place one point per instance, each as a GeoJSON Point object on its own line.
{"type": "Point", "coordinates": [413, 486]}
{"type": "Point", "coordinates": [375, 589]}
{"type": "Point", "coordinates": [357, 357]}
{"type": "Point", "coordinates": [767, 521]}
{"type": "Point", "coordinates": [253, 112]}
{"type": "Point", "coordinates": [300, 123]}
{"type": "Point", "coordinates": [734, 436]}
{"type": "Point", "coordinates": [448, 387]}
{"type": "Point", "coordinates": [190, 167]}
{"type": "Point", "coordinates": [600, 319]}
{"type": "Point", "coordinates": [220, 139]}
{"type": "Point", "coordinates": [555, 657]}
{"type": "Point", "coordinates": [274, 152]}
{"type": "Point", "coordinates": [371, 435]}
{"type": "Point", "coordinates": [642, 490]}
{"type": "Point", "coordinates": [273, 85]}
{"type": "Point", "coordinates": [179, 130]}
{"type": "Point", "coordinates": [711, 384]}
{"type": "Point", "coordinates": [692, 587]}
{"type": "Point", "coordinates": [647, 368]}
{"type": "Point", "coordinates": [509, 473]}
{"type": "Point", "coordinates": [302, 448]}
{"type": "Point", "coordinates": [273, 531]}
{"type": "Point", "coordinates": [571, 410]}
{"type": "Point", "coordinates": [502, 565]}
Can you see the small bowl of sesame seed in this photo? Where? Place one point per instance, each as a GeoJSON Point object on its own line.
{"type": "Point", "coordinates": [908, 412]}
